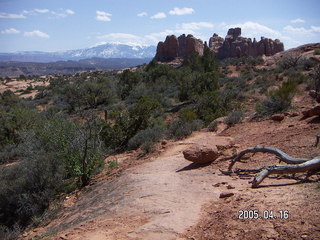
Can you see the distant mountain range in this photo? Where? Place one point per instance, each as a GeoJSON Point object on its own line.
{"type": "Point", "coordinates": [108, 50]}
{"type": "Point", "coordinates": [15, 69]}
{"type": "Point", "coordinates": [99, 58]}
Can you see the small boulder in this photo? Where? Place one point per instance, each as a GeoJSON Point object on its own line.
{"type": "Point", "coordinates": [201, 154]}
{"type": "Point", "coordinates": [277, 117]}
{"type": "Point", "coordinates": [226, 194]}
{"type": "Point", "coordinates": [315, 111]}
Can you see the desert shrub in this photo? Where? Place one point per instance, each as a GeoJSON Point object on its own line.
{"type": "Point", "coordinates": [13, 121]}
{"type": "Point", "coordinates": [129, 122]}
{"type": "Point", "coordinates": [316, 52]}
{"type": "Point", "coordinates": [314, 82]}
{"type": "Point", "coordinates": [307, 64]}
{"type": "Point", "coordinates": [234, 117]}
{"type": "Point", "coordinates": [212, 105]}
{"type": "Point", "coordinates": [8, 153]}
{"type": "Point", "coordinates": [187, 115]}
{"type": "Point", "coordinates": [213, 126]}
{"type": "Point", "coordinates": [290, 60]}
{"type": "Point", "coordinates": [127, 81]}
{"type": "Point", "coordinates": [291, 72]}
{"type": "Point", "coordinates": [27, 188]}
{"type": "Point", "coordinates": [179, 129]}
{"type": "Point", "coordinates": [197, 125]}
{"type": "Point", "coordinates": [10, 233]}
{"type": "Point", "coordinates": [278, 100]}
{"type": "Point", "coordinates": [146, 138]}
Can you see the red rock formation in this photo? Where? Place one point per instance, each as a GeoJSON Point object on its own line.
{"type": "Point", "coordinates": [232, 46]}
{"type": "Point", "coordinates": [236, 46]}
{"type": "Point", "coordinates": [182, 47]}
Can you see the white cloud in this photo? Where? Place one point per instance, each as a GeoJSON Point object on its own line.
{"type": "Point", "coordinates": [143, 14]}
{"type": "Point", "coordinates": [69, 11]}
{"type": "Point", "coordinates": [315, 29]}
{"type": "Point", "coordinates": [301, 30]}
{"type": "Point", "coordinates": [181, 11]}
{"type": "Point", "coordinates": [159, 15]}
{"type": "Point", "coordinates": [35, 11]}
{"type": "Point", "coordinates": [103, 16]}
{"type": "Point", "coordinates": [41, 10]}
{"type": "Point", "coordinates": [10, 31]}
{"type": "Point", "coordinates": [298, 20]}
{"type": "Point", "coordinates": [11, 15]}
{"type": "Point", "coordinates": [62, 13]}
{"type": "Point", "coordinates": [36, 33]}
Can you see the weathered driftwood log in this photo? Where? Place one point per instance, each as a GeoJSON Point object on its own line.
{"type": "Point", "coordinates": [280, 154]}
{"type": "Point", "coordinates": [296, 165]}
{"type": "Point", "coordinates": [313, 164]}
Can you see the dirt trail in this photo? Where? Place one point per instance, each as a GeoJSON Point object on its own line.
{"type": "Point", "coordinates": [164, 198]}
{"type": "Point", "coordinates": [153, 200]}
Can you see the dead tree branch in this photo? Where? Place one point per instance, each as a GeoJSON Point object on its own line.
{"type": "Point", "coordinates": [280, 154]}
{"type": "Point", "coordinates": [296, 165]}
{"type": "Point", "coordinates": [313, 164]}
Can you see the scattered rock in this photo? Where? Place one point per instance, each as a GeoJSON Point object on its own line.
{"type": "Point", "coordinates": [277, 117]}
{"type": "Point", "coordinates": [226, 194]}
{"type": "Point", "coordinates": [294, 114]}
{"type": "Point", "coordinates": [201, 154]}
{"type": "Point", "coordinates": [230, 187]}
{"type": "Point", "coordinates": [313, 93]}
{"type": "Point", "coordinates": [315, 111]}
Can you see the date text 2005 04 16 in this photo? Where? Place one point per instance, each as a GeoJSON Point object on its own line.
{"type": "Point", "coordinates": [266, 214]}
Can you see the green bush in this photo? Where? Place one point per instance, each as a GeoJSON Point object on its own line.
{"type": "Point", "coordinates": [187, 115]}
{"type": "Point", "coordinates": [179, 129]}
{"type": "Point", "coordinates": [129, 122]}
{"type": "Point", "coordinates": [316, 52]}
{"type": "Point", "coordinates": [197, 125]}
{"type": "Point", "coordinates": [213, 126]}
{"type": "Point", "coordinates": [234, 117]}
{"type": "Point", "coordinates": [278, 100]}
{"type": "Point", "coordinates": [26, 188]}
{"type": "Point", "coordinates": [146, 138]}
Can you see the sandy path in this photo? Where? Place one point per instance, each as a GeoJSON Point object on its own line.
{"type": "Point", "coordinates": [148, 201]}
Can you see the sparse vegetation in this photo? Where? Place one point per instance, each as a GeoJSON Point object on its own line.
{"type": "Point", "coordinates": [278, 100]}
{"type": "Point", "coordinates": [234, 117]}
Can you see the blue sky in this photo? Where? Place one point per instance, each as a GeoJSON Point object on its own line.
{"type": "Point", "coordinates": [56, 25]}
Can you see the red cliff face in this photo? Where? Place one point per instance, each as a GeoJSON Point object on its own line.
{"type": "Point", "coordinates": [182, 47]}
{"type": "Point", "coordinates": [233, 45]}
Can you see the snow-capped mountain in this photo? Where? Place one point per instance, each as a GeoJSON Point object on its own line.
{"type": "Point", "coordinates": [108, 50]}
